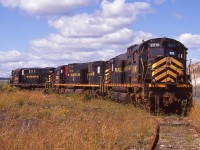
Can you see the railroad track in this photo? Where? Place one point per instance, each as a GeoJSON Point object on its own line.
{"type": "Point", "coordinates": [175, 133]}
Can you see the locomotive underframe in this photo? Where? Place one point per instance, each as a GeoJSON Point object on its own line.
{"type": "Point", "coordinates": [156, 98]}
{"type": "Point", "coordinates": [29, 86]}
{"type": "Point", "coordinates": [170, 100]}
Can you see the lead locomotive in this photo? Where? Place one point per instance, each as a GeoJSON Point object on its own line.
{"type": "Point", "coordinates": [152, 74]}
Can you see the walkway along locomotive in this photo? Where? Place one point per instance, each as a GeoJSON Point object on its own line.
{"type": "Point", "coordinates": [152, 75]}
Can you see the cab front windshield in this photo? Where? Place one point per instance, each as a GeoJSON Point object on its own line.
{"type": "Point", "coordinates": [156, 52]}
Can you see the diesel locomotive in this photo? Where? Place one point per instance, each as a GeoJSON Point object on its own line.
{"type": "Point", "coordinates": [30, 78]}
{"type": "Point", "coordinates": [152, 75]}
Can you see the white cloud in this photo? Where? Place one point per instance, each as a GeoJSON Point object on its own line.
{"type": "Point", "coordinates": [8, 61]}
{"type": "Point", "coordinates": [119, 8]}
{"type": "Point", "coordinates": [113, 15]}
{"type": "Point", "coordinates": [83, 37]}
{"type": "Point", "coordinates": [107, 28]}
{"type": "Point", "coordinates": [48, 7]}
{"type": "Point", "coordinates": [81, 25]}
{"type": "Point", "coordinates": [192, 40]}
{"type": "Point", "coordinates": [10, 56]}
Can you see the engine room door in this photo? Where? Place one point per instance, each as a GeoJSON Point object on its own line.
{"type": "Point", "coordinates": [84, 76]}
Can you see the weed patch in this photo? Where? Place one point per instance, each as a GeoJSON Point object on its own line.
{"type": "Point", "coordinates": [34, 120]}
{"type": "Point", "coordinates": [7, 87]}
{"type": "Point", "coordinates": [195, 113]}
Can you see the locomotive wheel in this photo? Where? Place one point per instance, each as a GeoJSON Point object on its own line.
{"type": "Point", "coordinates": [125, 98]}
{"type": "Point", "coordinates": [133, 99]}
{"type": "Point", "coordinates": [61, 91]}
{"type": "Point", "coordinates": [157, 104]}
{"type": "Point", "coordinates": [79, 91]}
{"type": "Point", "coordinates": [152, 105]}
{"type": "Point", "coordinates": [69, 90]}
{"type": "Point", "coordinates": [115, 96]}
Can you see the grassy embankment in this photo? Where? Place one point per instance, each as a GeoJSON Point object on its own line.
{"type": "Point", "coordinates": [33, 120]}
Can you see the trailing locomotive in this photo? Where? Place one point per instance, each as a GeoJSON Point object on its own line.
{"type": "Point", "coordinates": [153, 75]}
{"type": "Point", "coordinates": [31, 78]}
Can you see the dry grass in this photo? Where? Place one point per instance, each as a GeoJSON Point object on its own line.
{"type": "Point", "coordinates": [195, 113]}
{"type": "Point", "coordinates": [32, 120]}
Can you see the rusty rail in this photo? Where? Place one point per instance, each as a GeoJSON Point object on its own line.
{"type": "Point", "coordinates": [154, 140]}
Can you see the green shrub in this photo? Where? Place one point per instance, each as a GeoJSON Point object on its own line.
{"type": "Point", "coordinates": [87, 96]}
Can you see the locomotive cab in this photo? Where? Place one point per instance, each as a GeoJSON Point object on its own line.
{"type": "Point", "coordinates": [17, 76]}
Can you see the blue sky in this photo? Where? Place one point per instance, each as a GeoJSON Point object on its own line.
{"type": "Point", "coordinates": [50, 33]}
